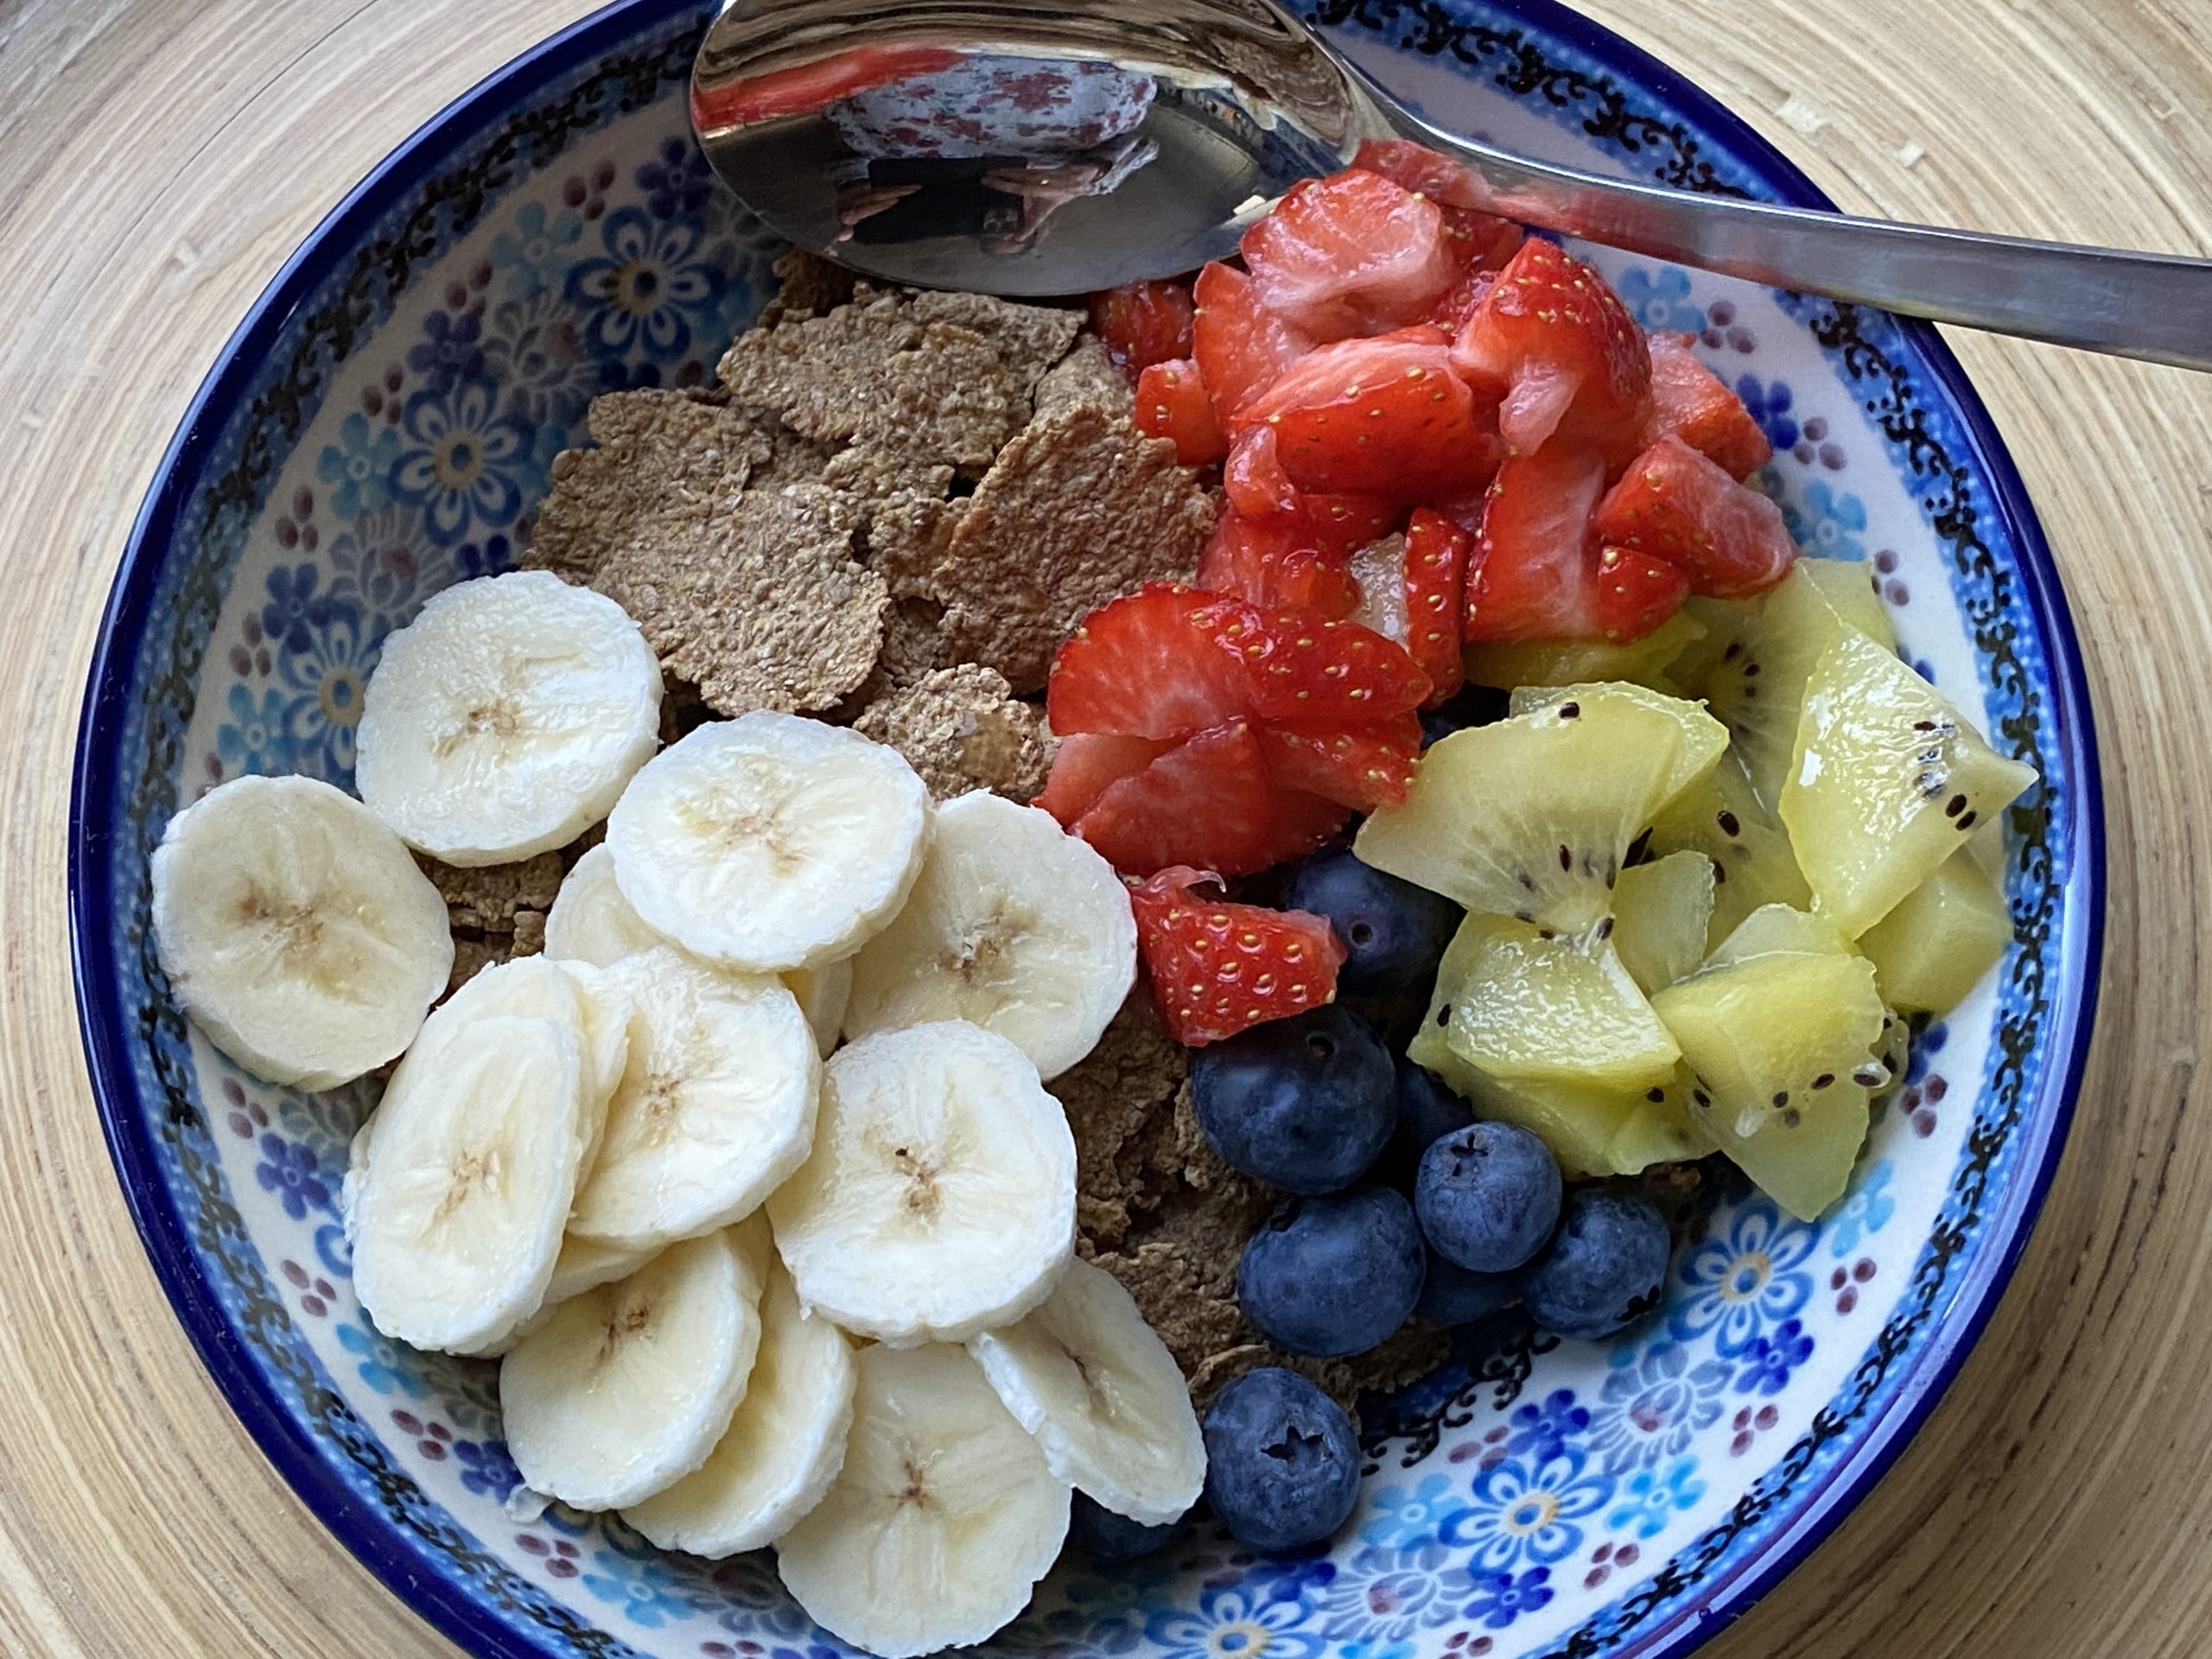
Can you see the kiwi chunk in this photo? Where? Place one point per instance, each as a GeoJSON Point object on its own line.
{"type": "Point", "coordinates": [1849, 585]}
{"type": "Point", "coordinates": [1532, 816]}
{"type": "Point", "coordinates": [1752, 861]}
{"type": "Point", "coordinates": [1660, 912]}
{"type": "Point", "coordinates": [1888, 780]}
{"type": "Point", "coordinates": [1934, 947]}
{"type": "Point", "coordinates": [1753, 665]}
{"type": "Point", "coordinates": [1523, 1004]}
{"type": "Point", "coordinates": [1782, 1042]}
{"type": "Point", "coordinates": [1547, 662]}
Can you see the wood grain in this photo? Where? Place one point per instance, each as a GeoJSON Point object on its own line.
{"type": "Point", "coordinates": [158, 159]}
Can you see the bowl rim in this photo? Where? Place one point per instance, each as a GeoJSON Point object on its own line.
{"type": "Point", "coordinates": [372, 1540]}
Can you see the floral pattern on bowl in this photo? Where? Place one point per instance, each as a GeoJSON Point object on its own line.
{"type": "Point", "coordinates": [384, 427]}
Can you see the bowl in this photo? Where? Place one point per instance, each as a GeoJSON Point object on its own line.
{"type": "Point", "coordinates": [382, 425]}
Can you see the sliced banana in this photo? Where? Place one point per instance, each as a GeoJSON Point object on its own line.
{"type": "Point", "coordinates": [462, 1177]}
{"type": "Point", "coordinates": [823, 995]}
{"type": "Point", "coordinates": [626, 1389]}
{"type": "Point", "coordinates": [784, 1445]}
{"type": "Point", "coordinates": [1097, 1386]}
{"type": "Point", "coordinates": [1014, 926]}
{"type": "Point", "coordinates": [537, 989]}
{"type": "Point", "coordinates": [942, 1520]}
{"type": "Point", "coordinates": [591, 922]}
{"type": "Point", "coordinates": [939, 1200]}
{"type": "Point", "coordinates": [716, 1107]}
{"type": "Point", "coordinates": [296, 930]}
{"type": "Point", "coordinates": [506, 718]}
{"type": "Point", "coordinates": [770, 842]}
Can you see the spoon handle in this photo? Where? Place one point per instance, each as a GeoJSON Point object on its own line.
{"type": "Point", "coordinates": [2153, 306]}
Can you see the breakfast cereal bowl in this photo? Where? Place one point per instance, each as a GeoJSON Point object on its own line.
{"type": "Point", "coordinates": [383, 424]}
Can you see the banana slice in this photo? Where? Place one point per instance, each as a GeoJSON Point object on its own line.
{"type": "Point", "coordinates": [823, 995]}
{"type": "Point", "coordinates": [1098, 1389]}
{"type": "Point", "coordinates": [942, 1520]}
{"type": "Point", "coordinates": [533, 988]}
{"type": "Point", "coordinates": [1014, 926]}
{"type": "Point", "coordinates": [770, 842]}
{"type": "Point", "coordinates": [627, 1388]}
{"type": "Point", "coordinates": [784, 1445]}
{"type": "Point", "coordinates": [591, 922]}
{"type": "Point", "coordinates": [506, 718]}
{"type": "Point", "coordinates": [462, 1177]}
{"type": "Point", "coordinates": [939, 1199]}
{"type": "Point", "coordinates": [296, 930]}
{"type": "Point", "coordinates": [716, 1108]}
{"type": "Point", "coordinates": [583, 1265]}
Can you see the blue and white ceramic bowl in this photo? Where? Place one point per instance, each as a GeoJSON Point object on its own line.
{"type": "Point", "coordinates": [382, 425]}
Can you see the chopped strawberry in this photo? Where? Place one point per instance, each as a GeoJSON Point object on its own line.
{"type": "Point", "coordinates": [1688, 402]}
{"type": "Point", "coordinates": [1357, 766]}
{"type": "Point", "coordinates": [1348, 254]}
{"type": "Point", "coordinates": [1085, 763]}
{"type": "Point", "coordinates": [1297, 823]}
{"type": "Point", "coordinates": [1342, 523]}
{"type": "Point", "coordinates": [1172, 403]}
{"type": "Point", "coordinates": [1675, 504]}
{"type": "Point", "coordinates": [1435, 579]}
{"type": "Point", "coordinates": [1317, 671]}
{"type": "Point", "coordinates": [1253, 478]}
{"type": "Point", "coordinates": [1475, 238]}
{"type": "Point", "coordinates": [1165, 661]}
{"type": "Point", "coordinates": [1275, 562]}
{"type": "Point", "coordinates": [1208, 798]}
{"type": "Point", "coordinates": [1383, 416]}
{"type": "Point", "coordinates": [1143, 323]}
{"type": "Point", "coordinates": [1530, 573]}
{"type": "Point", "coordinates": [1218, 967]}
{"type": "Point", "coordinates": [1635, 592]}
{"type": "Point", "coordinates": [1553, 340]}
{"type": "Point", "coordinates": [1462, 300]}
{"type": "Point", "coordinates": [1240, 345]}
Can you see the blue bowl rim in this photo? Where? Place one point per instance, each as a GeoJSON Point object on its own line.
{"type": "Point", "coordinates": [372, 1540]}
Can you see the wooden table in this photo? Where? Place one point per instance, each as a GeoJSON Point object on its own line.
{"type": "Point", "coordinates": [159, 158]}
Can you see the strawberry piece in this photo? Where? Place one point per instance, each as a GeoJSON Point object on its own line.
{"type": "Point", "coordinates": [1218, 967]}
{"type": "Point", "coordinates": [1341, 523]}
{"type": "Point", "coordinates": [1675, 504]}
{"type": "Point", "coordinates": [1554, 342]}
{"type": "Point", "coordinates": [1383, 416]}
{"type": "Point", "coordinates": [1689, 401]}
{"type": "Point", "coordinates": [1143, 323]}
{"type": "Point", "coordinates": [1318, 671]}
{"type": "Point", "coordinates": [1475, 238]}
{"type": "Point", "coordinates": [1254, 479]}
{"type": "Point", "coordinates": [1172, 403]}
{"type": "Point", "coordinates": [1163, 662]}
{"type": "Point", "coordinates": [1086, 763]}
{"type": "Point", "coordinates": [1436, 568]}
{"type": "Point", "coordinates": [1530, 576]}
{"type": "Point", "coordinates": [1348, 255]}
{"type": "Point", "coordinates": [1208, 798]}
{"type": "Point", "coordinates": [1240, 346]}
{"type": "Point", "coordinates": [1297, 823]}
{"type": "Point", "coordinates": [1635, 592]}
{"type": "Point", "coordinates": [1358, 766]}
{"type": "Point", "coordinates": [1276, 562]}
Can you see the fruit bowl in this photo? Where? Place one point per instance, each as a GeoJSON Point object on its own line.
{"type": "Point", "coordinates": [382, 425]}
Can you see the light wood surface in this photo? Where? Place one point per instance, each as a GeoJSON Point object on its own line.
{"type": "Point", "coordinates": [159, 158]}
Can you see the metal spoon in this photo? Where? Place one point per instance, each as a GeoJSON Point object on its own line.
{"type": "Point", "coordinates": [1034, 147]}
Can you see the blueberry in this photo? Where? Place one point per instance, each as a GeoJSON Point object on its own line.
{"type": "Point", "coordinates": [1488, 1196]}
{"type": "Point", "coordinates": [1427, 1110]}
{"type": "Point", "coordinates": [1452, 1295]}
{"type": "Point", "coordinates": [1306, 1104]}
{"type": "Point", "coordinates": [1283, 1463]}
{"type": "Point", "coordinates": [1471, 705]}
{"type": "Point", "coordinates": [1333, 1276]}
{"type": "Point", "coordinates": [1604, 1268]}
{"type": "Point", "coordinates": [1107, 1537]}
{"type": "Point", "coordinates": [1394, 931]}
